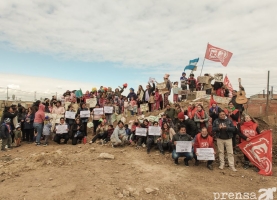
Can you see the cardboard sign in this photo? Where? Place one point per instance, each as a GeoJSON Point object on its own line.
{"type": "Point", "coordinates": [221, 100]}
{"type": "Point", "coordinates": [183, 146]}
{"type": "Point", "coordinates": [61, 129]}
{"type": "Point", "coordinates": [200, 94]}
{"type": "Point", "coordinates": [141, 131]}
{"type": "Point", "coordinates": [108, 109]}
{"type": "Point", "coordinates": [154, 130]}
{"type": "Point", "coordinates": [203, 79]}
{"type": "Point", "coordinates": [183, 92]}
{"type": "Point", "coordinates": [70, 115]}
{"type": "Point", "coordinates": [85, 114]}
{"type": "Point", "coordinates": [92, 102]}
{"type": "Point", "coordinates": [218, 77]}
{"type": "Point", "coordinates": [98, 111]}
{"type": "Point", "coordinates": [191, 95]}
{"type": "Point", "coordinates": [205, 154]}
{"type": "Point", "coordinates": [161, 86]}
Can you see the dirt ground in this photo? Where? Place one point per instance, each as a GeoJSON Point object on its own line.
{"type": "Point", "coordinates": [74, 172]}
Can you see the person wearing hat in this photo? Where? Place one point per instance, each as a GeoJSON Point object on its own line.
{"type": "Point", "coordinates": [46, 130]}
{"type": "Point", "coordinates": [184, 120]}
{"type": "Point", "coordinates": [132, 94]}
{"type": "Point", "coordinates": [184, 83]}
{"type": "Point", "coordinates": [6, 131]}
{"type": "Point", "coordinates": [192, 83]}
{"type": "Point", "coordinates": [17, 135]}
{"type": "Point", "coordinates": [214, 111]}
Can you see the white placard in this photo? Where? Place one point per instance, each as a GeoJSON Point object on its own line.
{"type": "Point", "coordinates": [183, 146]}
{"type": "Point", "coordinates": [108, 109]}
{"type": "Point", "coordinates": [154, 130]}
{"type": "Point", "coordinates": [98, 111]}
{"type": "Point", "coordinates": [61, 129]}
{"type": "Point", "coordinates": [92, 102]}
{"type": "Point", "coordinates": [70, 115]}
{"type": "Point", "coordinates": [141, 131]}
{"type": "Point", "coordinates": [205, 154]}
{"type": "Point", "coordinates": [85, 114]}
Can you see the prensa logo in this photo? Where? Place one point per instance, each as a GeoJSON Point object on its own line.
{"type": "Point", "coordinates": [264, 194]}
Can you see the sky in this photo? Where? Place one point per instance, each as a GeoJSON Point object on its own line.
{"type": "Point", "coordinates": [58, 45]}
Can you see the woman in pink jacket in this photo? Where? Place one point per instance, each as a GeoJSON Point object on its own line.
{"type": "Point", "coordinates": [38, 122]}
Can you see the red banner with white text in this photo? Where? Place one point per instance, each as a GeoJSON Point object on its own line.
{"type": "Point", "coordinates": [218, 55]}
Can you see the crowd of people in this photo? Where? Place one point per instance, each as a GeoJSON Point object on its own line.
{"type": "Point", "coordinates": [193, 123]}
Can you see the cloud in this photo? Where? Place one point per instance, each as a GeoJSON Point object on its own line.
{"type": "Point", "coordinates": [156, 35]}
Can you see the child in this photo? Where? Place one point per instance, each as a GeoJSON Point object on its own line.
{"type": "Point", "coordinates": [133, 104]}
{"type": "Point", "coordinates": [17, 135]}
{"type": "Point", "coordinates": [152, 101]}
{"type": "Point", "coordinates": [46, 130]}
{"type": "Point", "coordinates": [128, 131]}
{"type": "Point", "coordinates": [176, 90]}
{"type": "Point", "coordinates": [126, 105]}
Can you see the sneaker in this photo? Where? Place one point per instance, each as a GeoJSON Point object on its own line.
{"type": "Point", "coordinates": [45, 145]}
{"type": "Point", "coordinates": [90, 142]}
{"type": "Point", "coordinates": [233, 169]}
{"type": "Point", "coordinates": [196, 163]}
{"type": "Point", "coordinates": [186, 162]}
{"type": "Point", "coordinates": [221, 166]}
{"type": "Point", "coordinates": [176, 162]}
{"type": "Point", "coordinates": [102, 142]}
{"type": "Point", "coordinates": [38, 144]}
{"type": "Point", "coordinates": [143, 145]}
{"type": "Point", "coordinates": [210, 167]}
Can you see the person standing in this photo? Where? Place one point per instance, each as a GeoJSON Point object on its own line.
{"type": "Point", "coordinates": [39, 122]}
{"type": "Point", "coordinates": [84, 120]}
{"type": "Point", "coordinates": [192, 83]}
{"type": "Point", "coordinates": [208, 87]}
{"type": "Point", "coordinates": [6, 131]}
{"type": "Point", "coordinates": [28, 124]}
{"type": "Point", "coordinates": [168, 86]}
{"type": "Point", "coordinates": [184, 83]}
{"type": "Point", "coordinates": [224, 129]}
{"type": "Point", "coordinates": [234, 116]}
{"type": "Point", "coordinates": [147, 93]}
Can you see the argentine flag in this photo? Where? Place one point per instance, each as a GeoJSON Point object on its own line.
{"type": "Point", "coordinates": [192, 65]}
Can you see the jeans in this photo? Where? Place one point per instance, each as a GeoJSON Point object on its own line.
{"type": "Point", "coordinates": [188, 155]}
{"type": "Point", "coordinates": [7, 141]}
{"type": "Point", "coordinates": [39, 128]}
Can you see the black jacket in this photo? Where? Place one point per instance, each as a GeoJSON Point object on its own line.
{"type": "Point", "coordinates": [190, 125]}
{"type": "Point", "coordinates": [4, 131]}
{"type": "Point", "coordinates": [150, 91]}
{"type": "Point", "coordinates": [230, 128]}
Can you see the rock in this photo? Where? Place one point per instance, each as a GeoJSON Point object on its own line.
{"type": "Point", "coordinates": [130, 189]}
{"type": "Point", "coordinates": [92, 149]}
{"type": "Point", "coordinates": [106, 156]}
{"type": "Point", "coordinates": [49, 162]}
{"type": "Point", "coordinates": [136, 193]}
{"type": "Point", "coordinates": [59, 151]}
{"type": "Point", "coordinates": [79, 147]}
{"type": "Point", "coordinates": [50, 179]}
{"type": "Point", "coordinates": [120, 195]}
{"type": "Point", "coordinates": [150, 190]}
{"type": "Point", "coordinates": [126, 193]}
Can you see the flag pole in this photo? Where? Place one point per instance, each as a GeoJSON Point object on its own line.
{"type": "Point", "coordinates": [202, 66]}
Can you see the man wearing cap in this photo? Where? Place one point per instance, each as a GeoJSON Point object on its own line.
{"type": "Point", "coordinates": [6, 131]}
{"type": "Point", "coordinates": [184, 83]}
{"type": "Point", "coordinates": [192, 83]}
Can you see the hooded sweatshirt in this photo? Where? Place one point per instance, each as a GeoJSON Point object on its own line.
{"type": "Point", "coordinates": [40, 115]}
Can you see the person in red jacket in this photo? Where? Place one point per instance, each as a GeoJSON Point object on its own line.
{"type": "Point", "coordinates": [203, 140]}
{"type": "Point", "coordinates": [191, 111]}
{"type": "Point", "coordinates": [248, 129]}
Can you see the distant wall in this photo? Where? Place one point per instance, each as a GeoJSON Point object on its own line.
{"type": "Point", "coordinates": [256, 107]}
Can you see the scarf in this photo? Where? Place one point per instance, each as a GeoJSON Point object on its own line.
{"type": "Point", "coordinates": [201, 114]}
{"type": "Point", "coordinates": [249, 124]}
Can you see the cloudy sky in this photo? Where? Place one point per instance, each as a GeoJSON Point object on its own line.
{"type": "Point", "coordinates": [55, 45]}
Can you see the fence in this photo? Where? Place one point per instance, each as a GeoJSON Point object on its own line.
{"type": "Point", "coordinates": [11, 94]}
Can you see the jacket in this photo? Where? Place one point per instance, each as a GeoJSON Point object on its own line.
{"type": "Point", "coordinates": [132, 94]}
{"type": "Point", "coordinates": [150, 91]}
{"type": "Point", "coordinates": [75, 129]}
{"type": "Point", "coordinates": [5, 131]}
{"type": "Point", "coordinates": [58, 110]}
{"type": "Point", "coordinates": [29, 121]}
{"type": "Point", "coordinates": [47, 129]}
{"type": "Point", "coordinates": [209, 85]}
{"type": "Point", "coordinates": [230, 128]}
{"type": "Point", "coordinates": [180, 137]}
{"type": "Point", "coordinates": [214, 115]}
{"type": "Point", "coordinates": [248, 129]}
{"type": "Point", "coordinates": [170, 113]}
{"type": "Point", "coordinates": [197, 119]}
{"type": "Point", "coordinates": [40, 115]}
{"type": "Point", "coordinates": [118, 132]}
{"type": "Point", "coordinates": [201, 142]}
{"type": "Point", "coordinates": [191, 127]}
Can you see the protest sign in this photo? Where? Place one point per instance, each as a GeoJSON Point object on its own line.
{"type": "Point", "coordinates": [85, 114]}
{"type": "Point", "coordinates": [205, 154]}
{"type": "Point", "coordinates": [61, 129]}
{"type": "Point", "coordinates": [183, 146]}
{"type": "Point", "coordinates": [92, 102]}
{"type": "Point", "coordinates": [141, 131]}
{"type": "Point", "coordinates": [154, 130]}
{"type": "Point", "coordinates": [98, 111]}
{"type": "Point", "coordinates": [70, 115]}
{"type": "Point", "coordinates": [108, 109]}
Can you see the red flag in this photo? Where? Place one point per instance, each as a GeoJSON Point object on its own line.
{"type": "Point", "coordinates": [228, 84]}
{"type": "Point", "coordinates": [218, 55]}
{"type": "Point", "coordinates": [259, 152]}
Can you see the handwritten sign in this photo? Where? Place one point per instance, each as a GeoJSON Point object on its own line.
{"type": "Point", "coordinates": [161, 86]}
{"type": "Point", "coordinates": [85, 114]}
{"type": "Point", "coordinates": [205, 154]}
{"type": "Point", "coordinates": [218, 77]}
{"type": "Point", "coordinates": [108, 109]}
{"type": "Point", "coordinates": [92, 102]}
{"type": "Point", "coordinates": [203, 79]}
{"type": "Point", "coordinates": [98, 111]}
{"type": "Point", "coordinates": [141, 131]}
{"type": "Point", "coordinates": [155, 130]}
{"type": "Point", "coordinates": [61, 129]}
{"type": "Point", "coordinates": [221, 100]}
{"type": "Point", "coordinates": [183, 146]}
{"type": "Point", "coordinates": [200, 94]}
{"type": "Point", "coordinates": [70, 115]}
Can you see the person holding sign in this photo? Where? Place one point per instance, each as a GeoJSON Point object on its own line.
{"type": "Point", "coordinates": [101, 131]}
{"type": "Point", "coordinates": [141, 140]}
{"type": "Point", "coordinates": [203, 140]}
{"type": "Point", "coordinates": [96, 117]}
{"type": "Point", "coordinates": [224, 129]}
{"type": "Point", "coordinates": [70, 121]}
{"type": "Point", "coordinates": [61, 132]}
{"type": "Point", "coordinates": [181, 136]}
{"type": "Point", "coordinates": [119, 135]}
{"type": "Point", "coordinates": [84, 119]}
{"type": "Point", "coordinates": [164, 141]}
{"type": "Point", "coordinates": [153, 136]}
{"type": "Point", "coordinates": [109, 110]}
